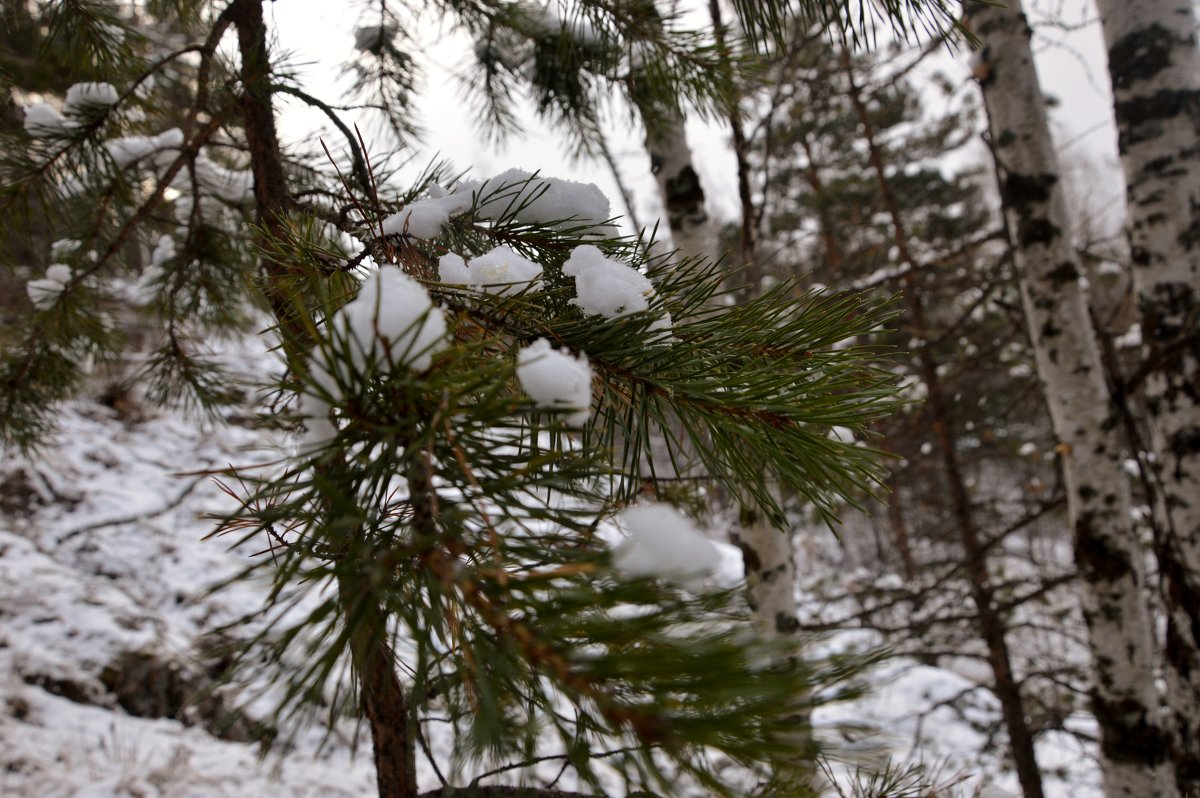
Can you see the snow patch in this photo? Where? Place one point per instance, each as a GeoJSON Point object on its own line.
{"type": "Point", "coordinates": [499, 271]}
{"type": "Point", "coordinates": [83, 98]}
{"type": "Point", "coordinates": [610, 288]}
{"type": "Point", "coordinates": [533, 199]}
{"type": "Point", "coordinates": [452, 269]}
{"type": "Point", "coordinates": [44, 292]}
{"type": "Point", "coordinates": [663, 542]}
{"type": "Point", "coordinates": [425, 217]}
{"type": "Point", "coordinates": [522, 195]}
{"type": "Point", "coordinates": [392, 322]}
{"type": "Point", "coordinates": [128, 150]}
{"type": "Point", "coordinates": [556, 380]}
{"type": "Point", "coordinates": [42, 119]}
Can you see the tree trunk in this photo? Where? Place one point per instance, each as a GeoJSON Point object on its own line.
{"type": "Point", "coordinates": [767, 550]}
{"type": "Point", "coordinates": [767, 555]}
{"type": "Point", "coordinates": [381, 694]}
{"type": "Point", "coordinates": [1155, 70]}
{"type": "Point", "coordinates": [1107, 555]}
{"type": "Point", "coordinates": [679, 185]}
{"type": "Point", "coordinates": [991, 623]}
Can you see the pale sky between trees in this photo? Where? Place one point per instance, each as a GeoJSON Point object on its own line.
{"type": "Point", "coordinates": [1070, 59]}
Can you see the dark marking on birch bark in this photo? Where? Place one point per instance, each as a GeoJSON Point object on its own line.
{"type": "Point", "coordinates": [1065, 272]}
{"type": "Point", "coordinates": [1185, 442]}
{"type": "Point", "coordinates": [1018, 190]}
{"type": "Point", "coordinates": [1140, 118]}
{"type": "Point", "coordinates": [1097, 559]}
{"type": "Point", "coordinates": [1140, 56]}
{"type": "Point", "coordinates": [1140, 741]}
{"type": "Point", "coordinates": [1164, 315]}
{"type": "Point", "coordinates": [786, 624]}
{"type": "Point", "coordinates": [1024, 194]}
{"type": "Point", "coordinates": [750, 558]}
{"type": "Point", "coordinates": [685, 198]}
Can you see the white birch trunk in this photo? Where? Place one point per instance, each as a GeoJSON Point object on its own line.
{"type": "Point", "coordinates": [1134, 740]}
{"type": "Point", "coordinates": [767, 554]}
{"type": "Point", "coordinates": [1155, 70]}
{"type": "Point", "coordinates": [679, 186]}
{"type": "Point", "coordinates": [767, 550]}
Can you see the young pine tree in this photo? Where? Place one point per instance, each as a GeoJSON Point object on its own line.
{"type": "Point", "coordinates": [471, 370]}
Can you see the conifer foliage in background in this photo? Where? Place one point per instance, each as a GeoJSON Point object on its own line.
{"type": "Point", "coordinates": [469, 369]}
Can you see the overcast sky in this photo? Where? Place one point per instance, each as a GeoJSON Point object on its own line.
{"type": "Point", "coordinates": [1070, 58]}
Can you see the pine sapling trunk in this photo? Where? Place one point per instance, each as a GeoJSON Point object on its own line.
{"type": "Point", "coordinates": [382, 697]}
{"type": "Point", "coordinates": [991, 623]}
{"type": "Point", "coordinates": [1154, 65]}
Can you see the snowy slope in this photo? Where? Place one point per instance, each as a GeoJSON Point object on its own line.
{"type": "Point", "coordinates": [103, 563]}
{"type": "Point", "coordinates": [101, 556]}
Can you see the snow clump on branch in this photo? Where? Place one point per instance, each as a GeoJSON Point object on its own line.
{"type": "Point", "coordinates": [425, 217]}
{"type": "Point", "coordinates": [533, 199]}
{"type": "Point", "coordinates": [85, 98]}
{"type": "Point", "coordinates": [663, 542]}
{"type": "Point", "coordinates": [500, 271]}
{"type": "Point", "coordinates": [128, 150]}
{"type": "Point", "coordinates": [42, 119]}
{"type": "Point", "coordinates": [44, 292]}
{"type": "Point", "coordinates": [514, 193]}
{"type": "Point", "coordinates": [556, 381]}
{"type": "Point", "coordinates": [391, 323]}
{"type": "Point", "coordinates": [609, 288]}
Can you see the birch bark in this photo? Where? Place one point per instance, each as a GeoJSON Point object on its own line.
{"type": "Point", "coordinates": [1154, 66]}
{"type": "Point", "coordinates": [767, 550]}
{"type": "Point", "coordinates": [1125, 702]}
{"type": "Point", "coordinates": [767, 554]}
{"type": "Point", "coordinates": [679, 185]}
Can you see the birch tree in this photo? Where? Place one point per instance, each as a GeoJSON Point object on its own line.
{"type": "Point", "coordinates": [766, 548]}
{"type": "Point", "coordinates": [1125, 702]}
{"type": "Point", "coordinates": [1154, 66]}
{"type": "Point", "coordinates": [991, 624]}
{"type": "Point", "coordinates": [433, 521]}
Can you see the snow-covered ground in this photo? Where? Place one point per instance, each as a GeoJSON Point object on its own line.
{"type": "Point", "coordinates": [104, 612]}
{"type": "Point", "coordinates": [102, 557]}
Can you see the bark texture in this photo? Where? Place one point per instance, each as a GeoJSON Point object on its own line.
{"type": "Point", "coordinates": [991, 624]}
{"type": "Point", "coordinates": [766, 549]}
{"type": "Point", "coordinates": [1133, 736]}
{"type": "Point", "coordinates": [1155, 70]}
{"type": "Point", "coordinates": [679, 185]}
{"type": "Point", "coordinates": [381, 696]}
